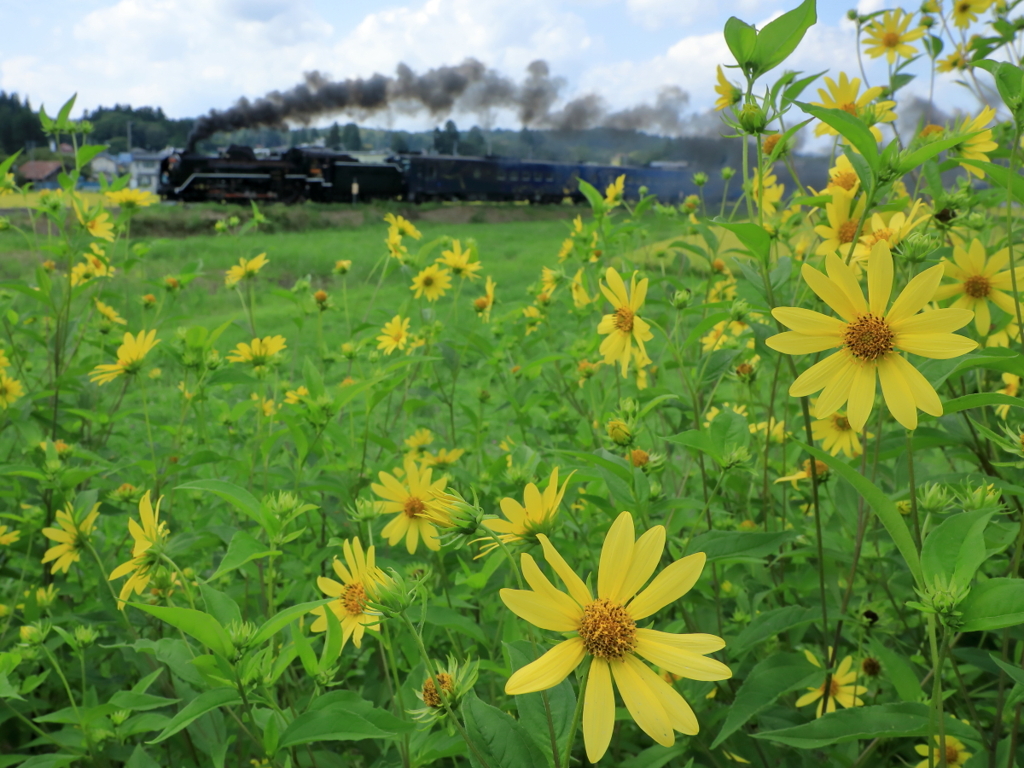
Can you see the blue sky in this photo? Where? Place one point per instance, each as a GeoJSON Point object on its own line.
{"type": "Point", "coordinates": [192, 55]}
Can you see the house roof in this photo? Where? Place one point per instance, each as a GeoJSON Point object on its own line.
{"type": "Point", "coordinates": [39, 170]}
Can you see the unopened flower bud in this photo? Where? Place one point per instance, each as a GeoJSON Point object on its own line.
{"type": "Point", "coordinates": [752, 118]}
{"type": "Point", "coordinates": [619, 432]}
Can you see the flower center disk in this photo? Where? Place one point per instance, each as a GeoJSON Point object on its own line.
{"type": "Point", "coordinates": [847, 230]}
{"type": "Point", "coordinates": [607, 630]}
{"type": "Point", "coordinates": [414, 507]}
{"type": "Point", "coordinates": [624, 319]}
{"type": "Point", "coordinates": [890, 39]}
{"type": "Point", "coordinates": [868, 338]}
{"type": "Point", "coordinates": [354, 598]}
{"type": "Point", "coordinates": [977, 286]}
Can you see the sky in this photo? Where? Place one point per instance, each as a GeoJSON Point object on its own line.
{"type": "Point", "coordinates": [188, 56]}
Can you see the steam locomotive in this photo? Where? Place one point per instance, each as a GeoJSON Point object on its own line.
{"type": "Point", "coordinates": [238, 175]}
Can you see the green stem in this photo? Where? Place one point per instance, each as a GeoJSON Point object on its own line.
{"type": "Point", "coordinates": [913, 489]}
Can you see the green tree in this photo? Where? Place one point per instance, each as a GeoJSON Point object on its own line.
{"type": "Point", "coordinates": [474, 143]}
{"type": "Point", "coordinates": [334, 137]}
{"type": "Point", "coordinates": [350, 138]}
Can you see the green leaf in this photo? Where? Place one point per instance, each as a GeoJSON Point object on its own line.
{"type": "Point", "coordinates": [884, 721]}
{"type": "Point", "coordinates": [927, 152]}
{"type": "Point", "coordinates": [780, 37]}
{"type": "Point", "coordinates": [279, 621]}
{"type": "Point", "coordinates": [532, 714]}
{"type": "Point", "coordinates": [220, 605]}
{"type": "Point", "coordinates": [698, 440]}
{"type": "Point", "coordinates": [771, 623]}
{"type": "Point", "coordinates": [1000, 176]}
{"type": "Point", "coordinates": [502, 740]}
{"type": "Point", "coordinates": [980, 401]}
{"type": "Point", "coordinates": [199, 706]}
{"type": "Point", "coordinates": [595, 198]}
{"type": "Point", "coordinates": [993, 604]}
{"type": "Point", "coordinates": [331, 724]}
{"type": "Point", "coordinates": [882, 505]}
{"type": "Point", "coordinates": [771, 678]}
{"type": "Point", "coordinates": [898, 671]}
{"type": "Point", "coordinates": [239, 498]}
{"type": "Point", "coordinates": [1016, 673]}
{"type": "Point", "coordinates": [441, 616]}
{"type": "Point", "coordinates": [242, 549]}
{"type": "Point", "coordinates": [850, 127]}
{"type": "Point", "coordinates": [140, 702]}
{"type": "Point", "coordinates": [202, 626]}
{"type": "Point", "coordinates": [741, 39]}
{"type": "Point", "coordinates": [955, 549]}
{"type": "Point", "coordinates": [755, 238]}
{"type": "Point", "coordinates": [724, 545]}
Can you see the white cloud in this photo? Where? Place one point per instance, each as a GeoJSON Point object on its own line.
{"type": "Point", "coordinates": [653, 13]}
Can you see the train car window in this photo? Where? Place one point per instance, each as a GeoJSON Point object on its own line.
{"type": "Point", "coordinates": [501, 174]}
{"type": "Point", "coordinates": [538, 176]}
{"type": "Point", "coordinates": [476, 172]}
{"type": "Point", "coordinates": [551, 177]}
{"type": "Point", "coordinates": [513, 175]}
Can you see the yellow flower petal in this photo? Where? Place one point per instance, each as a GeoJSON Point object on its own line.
{"type": "Point", "coordinates": [936, 321]}
{"type": "Point", "coordinates": [598, 710]}
{"type": "Point", "coordinates": [793, 343]}
{"type": "Point", "coordinates": [829, 292]}
{"type": "Point", "coordinates": [642, 704]}
{"type": "Point", "coordinates": [646, 556]}
{"type": "Point", "coordinates": [938, 346]}
{"type": "Point", "coordinates": [549, 670]}
{"type": "Point", "coordinates": [573, 583]}
{"type": "Point", "coordinates": [680, 716]}
{"type": "Point", "coordinates": [668, 586]}
{"type": "Point", "coordinates": [880, 273]}
{"type": "Point", "coordinates": [862, 396]}
{"type": "Point", "coordinates": [539, 611]}
{"type": "Point", "coordinates": [616, 557]}
{"type": "Point", "coordinates": [809, 322]}
{"type": "Point", "coordinates": [682, 662]}
{"type": "Point", "coordinates": [819, 375]}
{"type": "Point", "coordinates": [896, 391]}
{"type": "Point", "coordinates": [697, 642]}
{"type": "Point", "coordinates": [919, 291]}
{"type": "Point", "coordinates": [925, 396]}
{"type": "Point", "coordinates": [545, 589]}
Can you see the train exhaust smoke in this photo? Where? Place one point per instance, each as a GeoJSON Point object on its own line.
{"type": "Point", "coordinates": [467, 87]}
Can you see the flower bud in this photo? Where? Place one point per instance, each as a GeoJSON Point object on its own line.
{"type": "Point", "coordinates": [619, 432]}
{"type": "Point", "coordinates": [681, 298]}
{"type": "Point", "coordinates": [752, 118]}
{"type": "Point", "coordinates": [728, 173]}
{"type": "Point", "coordinates": [700, 178]}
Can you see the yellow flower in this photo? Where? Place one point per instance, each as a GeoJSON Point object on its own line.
{"type": "Point", "coordinates": [613, 193]}
{"type": "Point", "coordinates": [533, 318]}
{"type": "Point", "coordinates": [1012, 389]}
{"type": "Point", "coordinates": [130, 355]}
{"type": "Point", "coordinates": [843, 175]}
{"type": "Point", "coordinates": [394, 243]}
{"type": "Point", "coordinates": [979, 280]}
{"type": "Point", "coordinates": [483, 304]}
{"type": "Point", "coordinates": [769, 199]}
{"type": "Point", "coordinates": [402, 225]}
{"type": "Point", "coordinates": [893, 232]}
{"type": "Point", "coordinates": [245, 269]}
{"type": "Point", "coordinates": [146, 552]}
{"type": "Point", "coordinates": [10, 390]}
{"type": "Point", "coordinates": [260, 352]}
{"type": "Point", "coordinates": [110, 313]}
{"type": "Point", "coordinates": [965, 12]}
{"type": "Point", "coordinates": [525, 521]}
{"type": "Point", "coordinates": [773, 427]}
{"type": "Point", "coordinates": [843, 688]}
{"type": "Point", "coordinates": [443, 459]}
{"type": "Point", "coordinates": [623, 327]}
{"type": "Point", "coordinates": [566, 250]}
{"type": "Point", "coordinates": [8, 538]}
{"type": "Point", "coordinates": [414, 500]}
{"type": "Point", "coordinates": [889, 37]}
{"type": "Point", "coordinates": [956, 753]}
{"type": "Point", "coordinates": [717, 337]}
{"type": "Point", "coordinates": [458, 260]}
{"type": "Point", "coordinates": [976, 147]}
{"type": "Point", "coordinates": [432, 282]}
{"type": "Point", "coordinates": [844, 95]}
{"type": "Point", "coordinates": [295, 396]}
{"type": "Point", "coordinates": [100, 227]}
{"type": "Point", "coordinates": [71, 537]}
{"type": "Point", "coordinates": [342, 266]}
{"type": "Point", "coordinates": [959, 60]}
{"type": "Point", "coordinates": [360, 578]}
{"type": "Point", "coordinates": [836, 435]}
{"type": "Point", "coordinates": [820, 469]}
{"type": "Point", "coordinates": [94, 265]}
{"type": "Point", "coordinates": [605, 629]}
{"type": "Point", "coordinates": [580, 297]}
{"type": "Point", "coordinates": [418, 441]}
{"type": "Point", "coordinates": [728, 94]}
{"type": "Point", "coordinates": [394, 335]}
{"type": "Point", "coordinates": [842, 223]}
{"type": "Point", "coordinates": [870, 340]}
{"type": "Point", "coordinates": [130, 199]}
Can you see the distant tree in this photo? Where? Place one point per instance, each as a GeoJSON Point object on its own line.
{"type": "Point", "coordinates": [474, 142]}
{"type": "Point", "coordinates": [19, 125]}
{"type": "Point", "coordinates": [350, 138]}
{"type": "Point", "coordinates": [334, 137]}
{"type": "Point", "coordinates": [399, 141]}
{"type": "Point", "coordinates": [531, 141]}
{"type": "Point", "coordinates": [446, 142]}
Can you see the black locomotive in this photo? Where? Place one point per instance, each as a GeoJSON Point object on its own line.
{"type": "Point", "coordinates": [320, 175]}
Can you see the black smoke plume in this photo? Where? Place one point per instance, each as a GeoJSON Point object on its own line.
{"type": "Point", "coordinates": [467, 87]}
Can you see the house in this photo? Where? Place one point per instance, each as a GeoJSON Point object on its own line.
{"type": "Point", "coordinates": [42, 173]}
{"type": "Point", "coordinates": [104, 165]}
{"type": "Point", "coordinates": [144, 168]}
